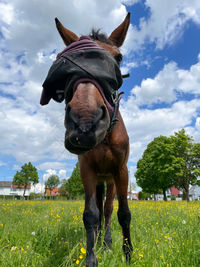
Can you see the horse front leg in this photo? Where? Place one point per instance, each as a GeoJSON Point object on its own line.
{"type": "Point", "coordinates": [99, 201]}
{"type": "Point", "coordinates": [124, 214]}
{"type": "Point", "coordinates": [90, 215]}
{"type": "Point", "coordinates": [108, 208]}
{"type": "Point", "coordinates": [91, 222]}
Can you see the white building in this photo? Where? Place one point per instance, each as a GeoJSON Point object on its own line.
{"type": "Point", "coordinates": [195, 192]}
{"type": "Point", "coordinates": [5, 188]}
{"type": "Point", "coordinates": [8, 189]}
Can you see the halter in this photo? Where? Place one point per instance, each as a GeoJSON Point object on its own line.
{"type": "Point", "coordinates": [84, 61]}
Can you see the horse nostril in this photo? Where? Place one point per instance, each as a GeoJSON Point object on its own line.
{"type": "Point", "coordinates": [71, 118]}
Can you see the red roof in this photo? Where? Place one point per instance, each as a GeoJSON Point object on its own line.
{"type": "Point", "coordinates": [53, 192]}
{"type": "Point", "coordinates": [174, 191]}
{"type": "Point", "coordinates": [21, 186]}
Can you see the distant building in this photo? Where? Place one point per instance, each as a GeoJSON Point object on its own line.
{"type": "Point", "coordinates": [194, 192]}
{"type": "Point", "coordinates": [170, 193]}
{"type": "Point", "coordinates": [53, 193]}
{"type": "Point", "coordinates": [175, 191]}
{"type": "Point", "coordinates": [5, 188]}
{"type": "Point", "coordinates": [133, 195]}
{"type": "Point", "coordinates": [9, 189]}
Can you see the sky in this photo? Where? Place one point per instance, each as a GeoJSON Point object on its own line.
{"type": "Point", "coordinates": [161, 53]}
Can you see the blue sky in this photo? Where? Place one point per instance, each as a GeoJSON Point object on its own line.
{"type": "Point", "coordinates": [161, 53]}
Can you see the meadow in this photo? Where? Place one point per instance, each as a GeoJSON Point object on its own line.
{"type": "Point", "coordinates": [51, 233]}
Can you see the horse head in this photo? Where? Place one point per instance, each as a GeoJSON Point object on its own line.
{"type": "Point", "coordinates": [91, 86]}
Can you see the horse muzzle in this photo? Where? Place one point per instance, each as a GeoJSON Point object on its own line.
{"type": "Point", "coordinates": [84, 134]}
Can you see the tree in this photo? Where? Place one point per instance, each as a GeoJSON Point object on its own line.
{"type": "Point", "coordinates": [27, 174]}
{"type": "Point", "coordinates": [131, 186]}
{"type": "Point", "coordinates": [188, 154]}
{"type": "Point", "coordinates": [144, 196]}
{"type": "Point", "coordinates": [52, 182]}
{"type": "Point", "coordinates": [74, 185]}
{"type": "Point", "coordinates": [63, 189]}
{"type": "Point", "coordinates": [158, 166]}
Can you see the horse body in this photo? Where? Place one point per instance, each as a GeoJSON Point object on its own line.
{"type": "Point", "coordinates": [102, 151]}
{"type": "Point", "coordinates": [107, 162]}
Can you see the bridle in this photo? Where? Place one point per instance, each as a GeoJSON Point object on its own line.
{"type": "Point", "coordinates": [75, 64]}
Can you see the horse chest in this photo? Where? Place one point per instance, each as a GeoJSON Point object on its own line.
{"type": "Point", "coordinates": [103, 160]}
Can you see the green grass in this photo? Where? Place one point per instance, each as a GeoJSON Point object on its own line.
{"type": "Point", "coordinates": [51, 233]}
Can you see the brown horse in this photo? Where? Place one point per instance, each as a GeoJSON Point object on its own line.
{"type": "Point", "coordinates": [102, 150]}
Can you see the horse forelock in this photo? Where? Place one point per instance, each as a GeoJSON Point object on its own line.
{"type": "Point", "coordinates": [96, 35]}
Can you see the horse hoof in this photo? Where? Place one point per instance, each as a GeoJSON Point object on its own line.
{"type": "Point", "coordinates": [128, 249]}
{"type": "Point", "coordinates": [91, 262]}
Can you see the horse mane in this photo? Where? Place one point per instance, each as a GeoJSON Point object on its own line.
{"type": "Point", "coordinates": [96, 35]}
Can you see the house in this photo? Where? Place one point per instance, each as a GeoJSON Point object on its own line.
{"type": "Point", "coordinates": [175, 191]}
{"type": "Point", "coordinates": [53, 193]}
{"type": "Point", "coordinates": [171, 193]}
{"type": "Point", "coordinates": [19, 190]}
{"type": "Point", "coordinates": [5, 188]}
{"type": "Point", "coordinates": [133, 195]}
{"type": "Point", "coordinates": [9, 189]}
{"type": "Point", "coordinates": [194, 192]}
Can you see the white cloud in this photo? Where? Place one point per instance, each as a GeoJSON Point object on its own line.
{"type": "Point", "coordinates": [168, 84]}
{"type": "Point", "coordinates": [2, 163]}
{"type": "Point", "coordinates": [52, 165]}
{"type": "Point", "coordinates": [61, 173]}
{"type": "Point", "coordinates": [38, 188]}
{"type": "Point", "coordinates": [165, 24]}
{"type": "Point", "coordinates": [130, 2]}
{"type": "Point", "coordinates": [6, 13]}
{"type": "Point", "coordinates": [143, 125]}
{"type": "Point", "coordinates": [48, 174]}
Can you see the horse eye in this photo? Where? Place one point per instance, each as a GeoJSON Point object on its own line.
{"type": "Point", "coordinates": [118, 58]}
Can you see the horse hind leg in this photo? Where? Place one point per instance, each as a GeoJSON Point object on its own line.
{"type": "Point", "coordinates": [108, 208]}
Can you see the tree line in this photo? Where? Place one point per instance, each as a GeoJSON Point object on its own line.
{"type": "Point", "coordinates": [71, 188]}
{"type": "Point", "coordinates": [169, 161]}
{"type": "Point", "coordinates": [166, 162]}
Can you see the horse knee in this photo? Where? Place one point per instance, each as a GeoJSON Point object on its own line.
{"type": "Point", "coordinates": [91, 219]}
{"type": "Point", "coordinates": [124, 218]}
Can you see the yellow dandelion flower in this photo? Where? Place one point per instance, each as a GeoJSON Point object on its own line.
{"type": "Point", "coordinates": [80, 257]}
{"type": "Point", "coordinates": [141, 255]}
{"type": "Point", "coordinates": [22, 249]}
{"type": "Point", "coordinates": [83, 250]}
{"type": "Point", "coordinates": [77, 262]}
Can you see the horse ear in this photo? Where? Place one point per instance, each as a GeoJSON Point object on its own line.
{"type": "Point", "coordinates": [67, 36]}
{"type": "Point", "coordinates": [119, 34]}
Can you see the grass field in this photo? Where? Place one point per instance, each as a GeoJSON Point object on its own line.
{"type": "Point", "coordinates": [51, 233]}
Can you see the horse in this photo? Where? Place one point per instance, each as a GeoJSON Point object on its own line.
{"type": "Point", "coordinates": [89, 78]}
